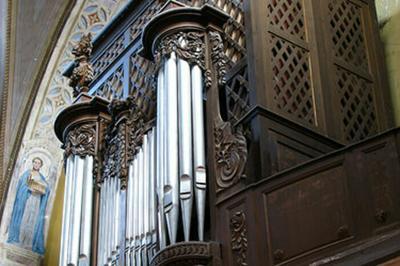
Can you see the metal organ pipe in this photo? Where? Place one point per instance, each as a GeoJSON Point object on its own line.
{"type": "Point", "coordinates": [161, 137]}
{"type": "Point", "coordinates": [86, 225]}
{"type": "Point", "coordinates": [66, 210]}
{"type": "Point", "coordinates": [77, 211]}
{"type": "Point", "coordinates": [77, 207]}
{"type": "Point", "coordinates": [171, 186]}
{"type": "Point", "coordinates": [180, 123]}
{"type": "Point", "coordinates": [185, 145]}
{"type": "Point", "coordinates": [199, 148]}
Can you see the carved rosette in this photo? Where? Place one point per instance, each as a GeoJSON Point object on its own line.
{"type": "Point", "coordinates": [81, 140]}
{"type": "Point", "coordinates": [239, 237]}
{"type": "Point", "coordinates": [218, 56]}
{"type": "Point", "coordinates": [230, 155]}
{"type": "Point", "coordinates": [83, 73]}
{"type": "Point", "coordinates": [187, 45]}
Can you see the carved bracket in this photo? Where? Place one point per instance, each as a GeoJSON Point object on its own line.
{"type": "Point", "coordinates": [230, 155]}
{"type": "Point", "coordinates": [239, 237]}
{"type": "Point", "coordinates": [81, 140]}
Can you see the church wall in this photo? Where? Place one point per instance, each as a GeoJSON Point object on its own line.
{"type": "Point", "coordinates": [389, 18]}
{"type": "Point", "coordinates": [33, 34]}
{"type": "Point", "coordinates": [53, 240]}
{"type": "Point", "coordinates": [38, 139]}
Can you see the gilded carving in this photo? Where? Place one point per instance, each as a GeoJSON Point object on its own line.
{"type": "Point", "coordinates": [218, 56]}
{"type": "Point", "coordinates": [239, 237]}
{"type": "Point", "coordinates": [81, 140]}
{"type": "Point", "coordinates": [83, 72]}
{"type": "Point", "coordinates": [187, 45]}
{"type": "Point", "coordinates": [230, 155]}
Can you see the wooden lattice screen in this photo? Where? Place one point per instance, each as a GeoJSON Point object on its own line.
{"type": "Point", "coordinates": [292, 89]}
{"type": "Point", "coordinates": [355, 84]}
{"type": "Point", "coordinates": [322, 68]}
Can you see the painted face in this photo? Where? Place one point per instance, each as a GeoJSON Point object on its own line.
{"type": "Point", "coordinates": [37, 164]}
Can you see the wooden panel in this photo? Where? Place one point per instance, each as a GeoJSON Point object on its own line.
{"type": "Point", "coordinates": [308, 214]}
{"type": "Point", "coordinates": [381, 170]}
{"type": "Point", "coordinates": [289, 156]}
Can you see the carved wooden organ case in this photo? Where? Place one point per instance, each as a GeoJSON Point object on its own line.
{"type": "Point", "coordinates": [184, 104]}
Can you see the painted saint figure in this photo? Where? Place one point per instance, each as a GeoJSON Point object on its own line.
{"type": "Point", "coordinates": [27, 219]}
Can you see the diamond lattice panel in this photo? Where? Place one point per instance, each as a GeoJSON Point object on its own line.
{"type": "Point", "coordinates": [136, 28]}
{"type": "Point", "coordinates": [108, 56]}
{"type": "Point", "coordinates": [347, 32]}
{"type": "Point", "coordinates": [357, 105]}
{"type": "Point", "coordinates": [141, 84]}
{"type": "Point", "coordinates": [234, 31]}
{"type": "Point", "coordinates": [288, 16]}
{"type": "Point", "coordinates": [237, 95]}
{"type": "Point", "coordinates": [113, 87]}
{"type": "Point", "coordinates": [292, 86]}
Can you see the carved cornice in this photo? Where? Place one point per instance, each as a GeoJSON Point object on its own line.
{"type": "Point", "coordinates": [187, 253]}
{"type": "Point", "coordinates": [218, 56]}
{"type": "Point", "coordinates": [83, 72]}
{"type": "Point", "coordinates": [239, 237]}
{"type": "Point", "coordinates": [187, 45]}
{"type": "Point", "coordinates": [81, 140]}
{"type": "Point", "coordinates": [230, 155]}
{"type": "Point", "coordinates": [183, 19]}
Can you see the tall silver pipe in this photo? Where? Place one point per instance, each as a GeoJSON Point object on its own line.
{"type": "Point", "coordinates": [199, 148]}
{"type": "Point", "coordinates": [171, 186]}
{"type": "Point", "coordinates": [135, 228]}
{"type": "Point", "coordinates": [117, 214]}
{"type": "Point", "coordinates": [66, 210]}
{"type": "Point", "coordinates": [161, 100]}
{"type": "Point", "coordinates": [185, 145]}
{"type": "Point", "coordinates": [87, 212]}
{"type": "Point", "coordinates": [128, 209]}
{"type": "Point", "coordinates": [107, 220]}
{"type": "Point", "coordinates": [79, 164]}
{"type": "Point", "coordinates": [72, 207]}
{"type": "Point", "coordinates": [152, 209]}
{"type": "Point", "coordinates": [138, 236]}
{"type": "Point", "coordinates": [100, 240]}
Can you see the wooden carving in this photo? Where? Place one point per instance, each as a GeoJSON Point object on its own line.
{"type": "Point", "coordinates": [81, 140]}
{"type": "Point", "coordinates": [187, 45]}
{"type": "Point", "coordinates": [230, 153]}
{"type": "Point", "coordinates": [125, 135]}
{"type": "Point", "coordinates": [83, 73]}
{"type": "Point", "coordinates": [218, 56]}
{"type": "Point", "coordinates": [239, 237]}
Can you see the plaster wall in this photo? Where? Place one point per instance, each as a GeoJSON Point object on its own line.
{"type": "Point", "coordinates": [389, 18]}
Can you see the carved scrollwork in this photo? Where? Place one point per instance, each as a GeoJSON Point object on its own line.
{"type": "Point", "coordinates": [131, 119]}
{"type": "Point", "coordinates": [187, 45]}
{"type": "Point", "coordinates": [239, 237]}
{"type": "Point", "coordinates": [218, 56]}
{"type": "Point", "coordinates": [230, 153]}
{"type": "Point", "coordinates": [81, 140]}
{"type": "Point", "coordinates": [83, 73]}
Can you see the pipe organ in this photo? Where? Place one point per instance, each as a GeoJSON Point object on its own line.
{"type": "Point", "coordinates": [144, 186]}
{"type": "Point", "coordinates": [206, 132]}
